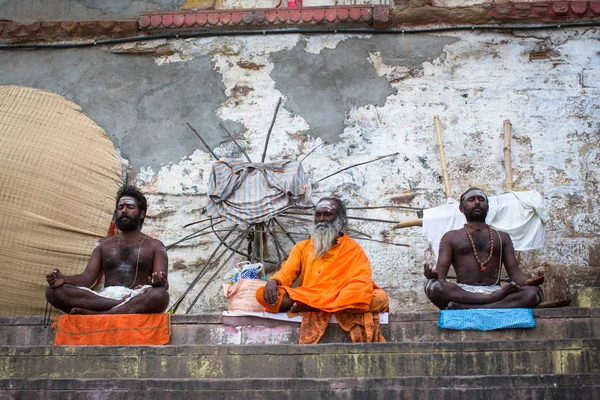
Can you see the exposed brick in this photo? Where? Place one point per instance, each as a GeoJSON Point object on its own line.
{"type": "Point", "coordinates": [522, 6]}
{"type": "Point", "coordinates": [540, 9]}
{"type": "Point", "coordinates": [381, 17]}
{"type": "Point", "coordinates": [107, 26]}
{"type": "Point", "coordinates": [319, 15]}
{"type": "Point", "coordinates": [68, 27]}
{"type": "Point", "coordinates": [578, 7]}
{"type": "Point", "coordinates": [560, 8]}
{"type": "Point", "coordinates": [213, 18]}
{"type": "Point", "coordinates": [595, 7]}
{"type": "Point", "coordinates": [504, 8]}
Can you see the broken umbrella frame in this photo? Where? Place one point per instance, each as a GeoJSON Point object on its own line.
{"type": "Point", "coordinates": [257, 233]}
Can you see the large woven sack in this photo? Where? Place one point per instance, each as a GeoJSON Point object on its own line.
{"type": "Point", "coordinates": [241, 296]}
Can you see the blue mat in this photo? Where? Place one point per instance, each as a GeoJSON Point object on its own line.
{"type": "Point", "coordinates": [486, 319]}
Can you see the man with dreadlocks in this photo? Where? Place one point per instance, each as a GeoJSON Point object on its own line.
{"type": "Point", "coordinates": [335, 277]}
{"type": "Point", "coordinates": [134, 267]}
{"type": "Point", "coordinates": [477, 253]}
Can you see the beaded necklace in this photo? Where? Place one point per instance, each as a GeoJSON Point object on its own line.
{"type": "Point", "coordinates": [481, 264]}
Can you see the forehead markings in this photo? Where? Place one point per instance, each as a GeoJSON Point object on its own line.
{"type": "Point", "coordinates": [474, 192]}
{"type": "Point", "coordinates": [326, 204]}
{"type": "Point", "coordinates": [127, 200]}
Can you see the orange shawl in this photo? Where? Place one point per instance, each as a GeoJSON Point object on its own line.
{"type": "Point", "coordinates": [338, 280]}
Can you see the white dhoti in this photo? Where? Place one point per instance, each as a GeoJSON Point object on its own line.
{"type": "Point", "coordinates": [118, 293]}
{"type": "Point", "coordinates": [487, 289]}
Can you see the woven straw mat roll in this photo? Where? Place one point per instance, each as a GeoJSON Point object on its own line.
{"type": "Point", "coordinates": [59, 173]}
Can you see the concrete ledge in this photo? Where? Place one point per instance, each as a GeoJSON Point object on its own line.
{"type": "Point", "coordinates": [520, 387]}
{"type": "Point", "coordinates": [557, 323]}
{"type": "Point", "coordinates": [312, 361]}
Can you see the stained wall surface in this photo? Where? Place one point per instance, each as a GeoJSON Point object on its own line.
{"type": "Point", "coordinates": [364, 96]}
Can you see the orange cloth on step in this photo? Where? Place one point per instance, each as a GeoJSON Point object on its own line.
{"type": "Point", "coordinates": [112, 329]}
{"type": "Point", "coordinates": [338, 281]}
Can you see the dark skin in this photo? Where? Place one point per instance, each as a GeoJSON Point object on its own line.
{"type": "Point", "coordinates": [117, 257]}
{"type": "Point", "coordinates": [326, 211]}
{"type": "Point", "coordinates": [456, 250]}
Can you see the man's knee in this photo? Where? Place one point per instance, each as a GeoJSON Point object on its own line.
{"type": "Point", "coordinates": [158, 298]}
{"type": "Point", "coordinates": [533, 295]}
{"type": "Point", "coordinates": [433, 289]}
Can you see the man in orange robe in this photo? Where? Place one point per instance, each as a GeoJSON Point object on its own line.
{"type": "Point", "coordinates": [335, 277]}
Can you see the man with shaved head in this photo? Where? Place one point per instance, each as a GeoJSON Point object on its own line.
{"type": "Point", "coordinates": [335, 277]}
{"type": "Point", "coordinates": [477, 253]}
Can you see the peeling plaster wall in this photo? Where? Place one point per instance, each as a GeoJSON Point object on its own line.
{"type": "Point", "coordinates": [365, 96]}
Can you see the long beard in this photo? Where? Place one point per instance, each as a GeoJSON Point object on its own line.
{"type": "Point", "coordinates": [325, 236]}
{"type": "Point", "coordinates": [127, 225]}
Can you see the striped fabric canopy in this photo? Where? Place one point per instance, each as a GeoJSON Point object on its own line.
{"type": "Point", "coordinates": [253, 193]}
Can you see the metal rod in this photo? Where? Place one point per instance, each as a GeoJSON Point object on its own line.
{"type": "Point", "coordinates": [247, 255]}
{"type": "Point", "coordinates": [261, 243]}
{"type": "Point", "coordinates": [236, 143]}
{"type": "Point", "coordinates": [283, 229]}
{"type": "Point", "coordinates": [262, 160]}
{"type": "Point", "coordinates": [357, 218]}
{"type": "Point", "coordinates": [276, 243]}
{"type": "Point", "coordinates": [192, 235]}
{"type": "Point", "coordinates": [356, 165]}
{"type": "Point", "coordinates": [199, 222]}
{"type": "Point", "coordinates": [200, 137]}
{"type": "Point", "coordinates": [240, 237]}
{"type": "Point", "coordinates": [310, 152]}
{"type": "Point", "coordinates": [197, 278]}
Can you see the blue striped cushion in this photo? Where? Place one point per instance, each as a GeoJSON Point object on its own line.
{"type": "Point", "coordinates": [487, 319]}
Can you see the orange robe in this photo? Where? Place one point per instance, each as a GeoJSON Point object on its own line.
{"type": "Point", "coordinates": [338, 282]}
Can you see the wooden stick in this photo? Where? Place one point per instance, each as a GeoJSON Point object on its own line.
{"type": "Point", "coordinates": [202, 140]}
{"type": "Point", "coordinates": [438, 134]}
{"type": "Point", "coordinates": [507, 153]}
{"type": "Point", "coordinates": [262, 160]}
{"type": "Point", "coordinates": [357, 218]}
{"type": "Point", "coordinates": [236, 143]}
{"type": "Point", "coordinates": [408, 224]}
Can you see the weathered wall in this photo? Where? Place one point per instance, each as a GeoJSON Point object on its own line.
{"type": "Point", "coordinates": [365, 96]}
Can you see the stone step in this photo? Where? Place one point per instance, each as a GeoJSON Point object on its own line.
{"type": "Point", "coordinates": [501, 387]}
{"type": "Point", "coordinates": [556, 323]}
{"type": "Point", "coordinates": [513, 357]}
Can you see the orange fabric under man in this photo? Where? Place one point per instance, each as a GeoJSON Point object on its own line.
{"type": "Point", "coordinates": [335, 277]}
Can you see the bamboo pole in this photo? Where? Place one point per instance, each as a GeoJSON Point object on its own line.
{"type": "Point", "coordinates": [408, 224]}
{"type": "Point", "coordinates": [438, 134]}
{"type": "Point", "coordinates": [507, 155]}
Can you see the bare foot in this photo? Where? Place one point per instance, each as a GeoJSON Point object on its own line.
{"type": "Point", "coordinates": [82, 311]}
{"type": "Point", "coordinates": [507, 289]}
{"type": "Point", "coordinates": [298, 307]}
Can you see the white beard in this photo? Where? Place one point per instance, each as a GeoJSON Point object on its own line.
{"type": "Point", "coordinates": [325, 236]}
